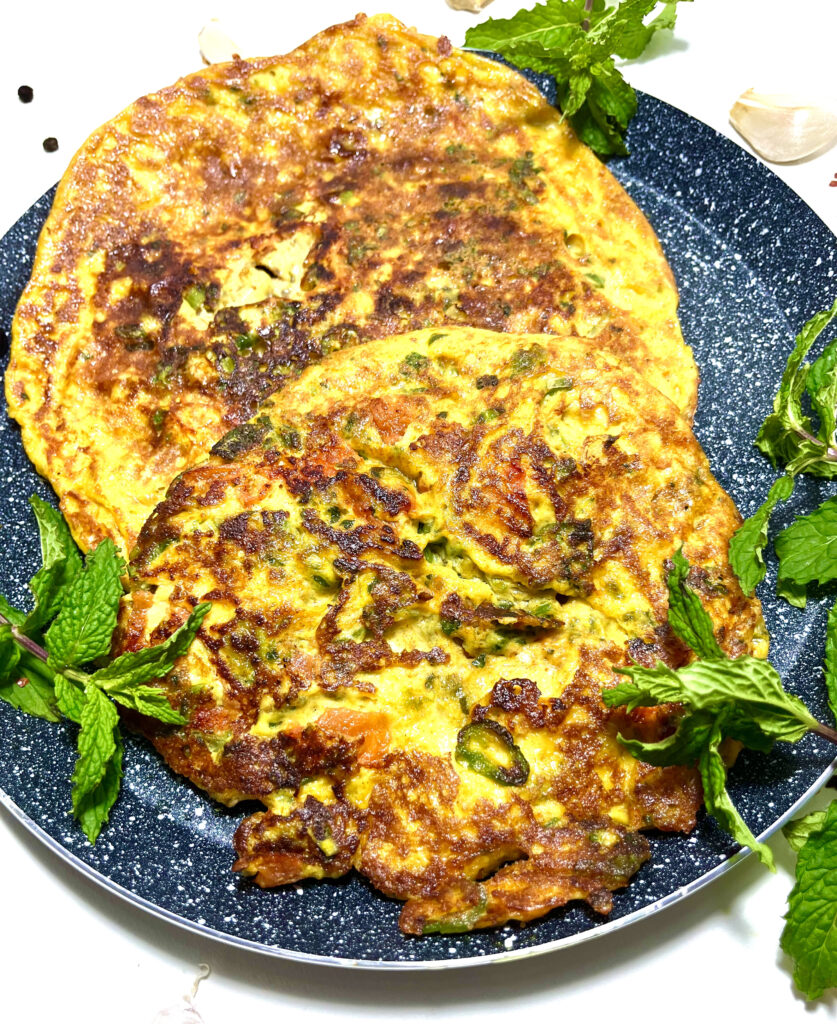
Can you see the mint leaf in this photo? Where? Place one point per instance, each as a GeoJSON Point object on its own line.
{"type": "Point", "coordinates": [554, 25]}
{"type": "Point", "coordinates": [94, 808]}
{"type": "Point", "coordinates": [9, 654]}
{"type": "Point", "coordinates": [592, 126]}
{"type": "Point", "coordinates": [830, 665]}
{"type": "Point", "coordinates": [807, 549]}
{"type": "Point", "coordinates": [647, 688]}
{"type": "Point", "coordinates": [61, 562]}
{"type": "Point", "coordinates": [684, 746]}
{"type": "Point", "coordinates": [811, 456]}
{"type": "Point", "coordinates": [713, 774]}
{"type": "Point", "coordinates": [96, 743]}
{"type": "Point", "coordinates": [791, 592]}
{"type": "Point", "coordinates": [631, 39]}
{"type": "Point", "coordinates": [686, 615]}
{"type": "Point", "coordinates": [748, 541]}
{"type": "Point", "coordinates": [742, 688]}
{"type": "Point", "coordinates": [83, 628]}
{"type": "Point", "coordinates": [613, 94]}
{"type": "Point", "coordinates": [621, 30]}
{"type": "Point", "coordinates": [27, 694]}
{"type": "Point", "coordinates": [798, 832]}
{"type": "Point", "coordinates": [577, 47]}
{"type": "Point", "coordinates": [21, 683]}
{"type": "Point", "coordinates": [32, 689]}
{"type": "Point", "coordinates": [70, 699]}
{"type": "Point", "coordinates": [810, 933]}
{"type": "Point", "coordinates": [11, 614]}
{"type": "Point", "coordinates": [821, 386]}
{"type": "Point", "coordinates": [578, 85]}
{"type": "Point", "coordinates": [149, 700]}
{"type": "Point", "coordinates": [150, 663]}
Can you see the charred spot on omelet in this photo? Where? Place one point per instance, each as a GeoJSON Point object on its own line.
{"type": "Point", "coordinates": [222, 233]}
{"type": "Point", "coordinates": [425, 563]}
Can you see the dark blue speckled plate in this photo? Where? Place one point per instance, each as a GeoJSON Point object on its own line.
{"type": "Point", "coordinates": [753, 262]}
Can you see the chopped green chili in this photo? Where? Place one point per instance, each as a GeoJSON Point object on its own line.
{"type": "Point", "coordinates": [415, 361]}
{"type": "Point", "coordinates": [195, 295]}
{"type": "Point", "coordinates": [488, 749]}
{"type": "Point", "coordinates": [460, 921]}
{"type": "Point", "coordinates": [488, 415]}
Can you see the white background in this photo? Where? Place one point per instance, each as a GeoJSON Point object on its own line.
{"type": "Point", "coordinates": [70, 951]}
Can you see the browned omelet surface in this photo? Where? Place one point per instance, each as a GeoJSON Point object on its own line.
{"type": "Point", "coordinates": [426, 557]}
{"type": "Point", "coordinates": [224, 232]}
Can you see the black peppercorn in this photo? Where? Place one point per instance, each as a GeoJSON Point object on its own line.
{"type": "Point", "coordinates": [25, 94]}
{"type": "Point", "coordinates": [51, 144]}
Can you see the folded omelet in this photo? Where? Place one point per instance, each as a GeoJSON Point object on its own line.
{"type": "Point", "coordinates": [426, 557]}
{"type": "Point", "coordinates": [221, 234]}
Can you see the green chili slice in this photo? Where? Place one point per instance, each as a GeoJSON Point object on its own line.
{"type": "Point", "coordinates": [461, 921]}
{"type": "Point", "coordinates": [488, 749]}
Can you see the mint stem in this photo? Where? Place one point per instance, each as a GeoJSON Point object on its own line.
{"type": "Point", "coordinates": [588, 7]}
{"type": "Point", "coordinates": [830, 453]}
{"type": "Point", "coordinates": [826, 732]}
{"type": "Point", "coordinates": [22, 640]}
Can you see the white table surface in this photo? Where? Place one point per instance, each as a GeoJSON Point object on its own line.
{"type": "Point", "coordinates": [69, 951]}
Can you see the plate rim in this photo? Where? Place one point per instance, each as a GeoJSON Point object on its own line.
{"type": "Point", "coordinates": [87, 870]}
{"type": "Point", "coordinates": [348, 963]}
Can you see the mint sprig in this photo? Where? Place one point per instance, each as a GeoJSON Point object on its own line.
{"type": "Point", "coordinates": [54, 661]}
{"type": "Point", "coordinates": [743, 699]}
{"type": "Point", "coordinates": [810, 933]}
{"type": "Point", "coordinates": [788, 437]}
{"type": "Point", "coordinates": [795, 443]}
{"type": "Point", "coordinates": [577, 41]}
{"type": "Point", "coordinates": [799, 436]}
{"type": "Point", "coordinates": [739, 699]}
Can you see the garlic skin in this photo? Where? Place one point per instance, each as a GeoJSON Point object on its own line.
{"type": "Point", "coordinates": [475, 6]}
{"type": "Point", "coordinates": [181, 1013]}
{"type": "Point", "coordinates": [185, 1012]}
{"type": "Point", "coordinates": [215, 45]}
{"type": "Point", "coordinates": [782, 128]}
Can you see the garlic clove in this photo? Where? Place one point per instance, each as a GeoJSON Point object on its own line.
{"type": "Point", "coordinates": [468, 5]}
{"type": "Point", "coordinates": [215, 45]}
{"type": "Point", "coordinates": [781, 128]}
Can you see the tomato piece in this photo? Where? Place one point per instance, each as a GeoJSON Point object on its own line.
{"type": "Point", "coordinates": [371, 727]}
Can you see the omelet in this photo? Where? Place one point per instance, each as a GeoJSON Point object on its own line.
{"type": "Point", "coordinates": [221, 234]}
{"type": "Point", "coordinates": [427, 556]}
